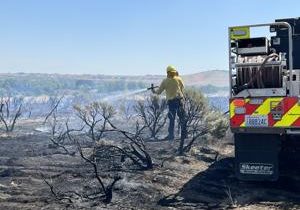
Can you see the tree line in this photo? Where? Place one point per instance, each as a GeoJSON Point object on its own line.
{"type": "Point", "coordinates": [38, 84]}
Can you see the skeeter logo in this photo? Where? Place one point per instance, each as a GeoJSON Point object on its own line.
{"type": "Point", "coordinates": [257, 168]}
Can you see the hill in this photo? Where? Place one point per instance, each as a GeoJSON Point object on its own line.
{"type": "Point", "coordinates": [217, 78]}
{"type": "Point", "coordinates": [29, 84]}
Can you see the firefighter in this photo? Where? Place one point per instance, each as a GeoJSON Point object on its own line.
{"type": "Point", "coordinates": [173, 86]}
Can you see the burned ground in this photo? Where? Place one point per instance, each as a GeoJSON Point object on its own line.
{"type": "Point", "coordinates": [199, 180]}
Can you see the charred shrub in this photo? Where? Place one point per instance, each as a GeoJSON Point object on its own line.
{"type": "Point", "coordinates": [152, 113]}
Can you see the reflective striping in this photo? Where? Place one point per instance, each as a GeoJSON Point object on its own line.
{"type": "Point", "coordinates": [285, 104]}
{"type": "Point", "coordinates": [231, 109]}
{"type": "Point", "coordinates": [265, 108]}
{"type": "Point", "coordinates": [296, 123]}
{"type": "Point", "coordinates": [278, 105]}
{"type": "Point", "coordinates": [250, 109]}
{"type": "Point", "coordinates": [288, 105]}
{"type": "Point", "coordinates": [290, 117]}
{"type": "Point", "coordinates": [237, 119]}
{"type": "Point", "coordinates": [232, 106]}
{"type": "Point", "coordinates": [243, 124]}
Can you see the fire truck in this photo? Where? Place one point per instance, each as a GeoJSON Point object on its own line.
{"type": "Point", "coordinates": [264, 98]}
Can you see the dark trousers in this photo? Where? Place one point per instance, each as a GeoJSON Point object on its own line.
{"type": "Point", "coordinates": [176, 107]}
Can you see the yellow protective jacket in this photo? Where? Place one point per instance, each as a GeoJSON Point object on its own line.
{"type": "Point", "coordinates": [173, 87]}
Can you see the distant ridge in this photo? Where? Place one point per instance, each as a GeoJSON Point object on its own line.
{"type": "Point", "coordinates": [218, 78]}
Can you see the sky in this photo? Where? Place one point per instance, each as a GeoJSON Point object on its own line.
{"type": "Point", "coordinates": [125, 37]}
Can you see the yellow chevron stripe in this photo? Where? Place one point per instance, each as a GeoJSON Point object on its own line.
{"type": "Point", "coordinates": [290, 117]}
{"type": "Point", "coordinates": [265, 108]}
{"type": "Point", "coordinates": [243, 124]}
{"type": "Point", "coordinates": [231, 109]}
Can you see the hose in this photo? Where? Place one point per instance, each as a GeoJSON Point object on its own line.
{"type": "Point", "coordinates": [258, 77]}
